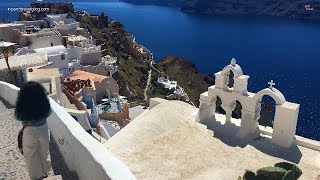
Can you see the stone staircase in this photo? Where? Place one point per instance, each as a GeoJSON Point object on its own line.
{"type": "Point", "coordinates": [12, 164]}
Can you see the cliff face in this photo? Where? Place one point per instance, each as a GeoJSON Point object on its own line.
{"type": "Point", "coordinates": [132, 72]}
{"type": "Point", "coordinates": [174, 3]}
{"type": "Point", "coordinates": [54, 8]}
{"type": "Point", "coordinates": [187, 75]}
{"type": "Point", "coordinates": [293, 9]}
{"type": "Point", "coordinates": [287, 8]}
{"type": "Point", "coordinates": [132, 68]}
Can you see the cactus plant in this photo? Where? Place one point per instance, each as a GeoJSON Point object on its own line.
{"type": "Point", "coordinates": [289, 166]}
{"type": "Point", "coordinates": [280, 171]}
{"type": "Point", "coordinates": [271, 173]}
{"type": "Point", "coordinates": [289, 175]}
{"type": "Point", "coordinates": [249, 175]}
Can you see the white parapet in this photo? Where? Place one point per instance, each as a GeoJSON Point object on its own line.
{"type": "Point", "coordinates": [81, 152]}
{"type": "Point", "coordinates": [284, 128]}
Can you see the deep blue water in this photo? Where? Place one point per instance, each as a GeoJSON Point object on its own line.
{"type": "Point", "coordinates": [286, 51]}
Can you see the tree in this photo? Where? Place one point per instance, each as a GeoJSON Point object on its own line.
{"type": "Point", "coordinates": [5, 51]}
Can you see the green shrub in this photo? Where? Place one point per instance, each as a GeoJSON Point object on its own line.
{"type": "Point", "coordinates": [289, 166]}
{"type": "Point", "coordinates": [271, 173]}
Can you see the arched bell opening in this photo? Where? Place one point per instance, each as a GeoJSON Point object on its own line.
{"type": "Point", "coordinates": [237, 112]}
{"type": "Point", "coordinates": [267, 111]}
{"type": "Point", "coordinates": [230, 79]}
{"type": "Point", "coordinates": [219, 108]}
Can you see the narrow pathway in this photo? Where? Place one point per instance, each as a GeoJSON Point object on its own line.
{"type": "Point", "coordinates": [12, 164]}
{"type": "Point", "coordinates": [148, 84]}
{"type": "Point", "coordinates": [187, 97]}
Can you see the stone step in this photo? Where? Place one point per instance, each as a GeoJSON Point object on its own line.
{"type": "Point", "coordinates": [55, 177]}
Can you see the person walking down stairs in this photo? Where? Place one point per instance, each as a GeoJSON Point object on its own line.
{"type": "Point", "coordinates": [33, 109]}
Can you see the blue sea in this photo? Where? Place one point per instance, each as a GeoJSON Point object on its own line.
{"type": "Point", "coordinates": [267, 48]}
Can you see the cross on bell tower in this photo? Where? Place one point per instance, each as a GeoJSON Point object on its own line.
{"type": "Point", "coordinates": [271, 83]}
{"type": "Point", "coordinates": [233, 62]}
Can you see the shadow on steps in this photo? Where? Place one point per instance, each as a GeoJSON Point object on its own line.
{"type": "Point", "coordinates": [59, 166]}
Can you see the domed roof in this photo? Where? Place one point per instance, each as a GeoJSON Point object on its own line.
{"type": "Point", "coordinates": [234, 67]}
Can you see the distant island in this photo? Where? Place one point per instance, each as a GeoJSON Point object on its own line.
{"type": "Point", "coordinates": [298, 9]}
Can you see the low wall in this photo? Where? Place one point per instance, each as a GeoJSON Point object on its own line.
{"type": "Point", "coordinates": [308, 143]}
{"type": "Point", "coordinates": [301, 141]}
{"type": "Point", "coordinates": [82, 153]}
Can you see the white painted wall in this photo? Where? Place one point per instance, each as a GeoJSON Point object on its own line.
{"type": "Point", "coordinates": [74, 53]}
{"type": "Point", "coordinates": [285, 117]}
{"type": "Point", "coordinates": [82, 118]}
{"type": "Point", "coordinates": [81, 152]}
{"type": "Point", "coordinates": [42, 42]}
{"type": "Point", "coordinates": [58, 62]}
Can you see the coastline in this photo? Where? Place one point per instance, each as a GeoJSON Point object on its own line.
{"type": "Point", "coordinates": [308, 136]}
{"type": "Point", "coordinates": [223, 8]}
{"type": "Point", "coordinates": [212, 145]}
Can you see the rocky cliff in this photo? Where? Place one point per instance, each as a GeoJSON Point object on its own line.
{"type": "Point", "coordinates": [293, 9]}
{"type": "Point", "coordinates": [175, 3]}
{"type": "Point", "coordinates": [54, 8]}
{"type": "Point", "coordinates": [187, 75]}
{"type": "Point", "coordinates": [298, 9]}
{"type": "Point", "coordinates": [133, 70]}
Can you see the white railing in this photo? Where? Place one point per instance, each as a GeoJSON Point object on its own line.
{"type": "Point", "coordinates": [81, 152]}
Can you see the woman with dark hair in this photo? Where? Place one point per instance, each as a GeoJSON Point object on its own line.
{"type": "Point", "coordinates": [33, 109]}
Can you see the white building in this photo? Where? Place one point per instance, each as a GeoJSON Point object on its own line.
{"type": "Point", "coordinates": [111, 63]}
{"type": "Point", "coordinates": [50, 79]}
{"type": "Point", "coordinates": [25, 61]}
{"type": "Point", "coordinates": [6, 31]}
{"type": "Point", "coordinates": [64, 25]}
{"type": "Point", "coordinates": [20, 64]}
{"type": "Point", "coordinates": [58, 55]}
{"type": "Point", "coordinates": [32, 36]}
{"type": "Point", "coordinates": [107, 67]}
{"type": "Point", "coordinates": [167, 83]}
{"type": "Point", "coordinates": [84, 49]}
{"type": "Point", "coordinates": [36, 23]}
{"type": "Point", "coordinates": [147, 54]}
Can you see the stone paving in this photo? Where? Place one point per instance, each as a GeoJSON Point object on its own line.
{"type": "Point", "coordinates": [165, 143]}
{"type": "Point", "coordinates": [12, 164]}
